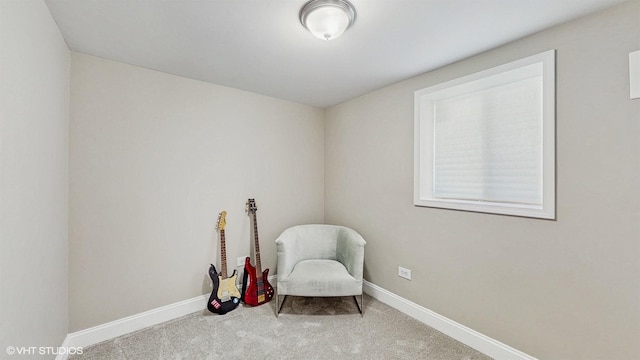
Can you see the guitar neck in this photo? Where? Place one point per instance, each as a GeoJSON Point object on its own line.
{"type": "Point", "coordinates": [257, 245]}
{"type": "Point", "coordinates": [223, 255]}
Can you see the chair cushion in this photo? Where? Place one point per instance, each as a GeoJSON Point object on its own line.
{"type": "Point", "coordinates": [320, 278]}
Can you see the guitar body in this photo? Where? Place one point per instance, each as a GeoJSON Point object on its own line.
{"type": "Point", "coordinates": [215, 304]}
{"type": "Point", "coordinates": [227, 287]}
{"type": "Point", "coordinates": [259, 291]}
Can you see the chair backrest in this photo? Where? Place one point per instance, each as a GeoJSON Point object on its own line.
{"type": "Point", "coordinates": [312, 241]}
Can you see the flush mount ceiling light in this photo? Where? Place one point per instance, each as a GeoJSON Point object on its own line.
{"type": "Point", "coordinates": [327, 19]}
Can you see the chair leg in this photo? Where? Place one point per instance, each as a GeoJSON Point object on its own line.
{"type": "Point", "coordinates": [278, 304]}
{"type": "Point", "coordinates": [361, 305]}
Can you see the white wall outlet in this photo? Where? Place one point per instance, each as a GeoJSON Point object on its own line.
{"type": "Point", "coordinates": [404, 273]}
{"type": "Point", "coordinates": [240, 261]}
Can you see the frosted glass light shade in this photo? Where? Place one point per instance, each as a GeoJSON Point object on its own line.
{"type": "Point", "coordinates": [327, 19]}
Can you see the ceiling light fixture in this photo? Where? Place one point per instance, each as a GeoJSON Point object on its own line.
{"type": "Point", "coordinates": [327, 19]}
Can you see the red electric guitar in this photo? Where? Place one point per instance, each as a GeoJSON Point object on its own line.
{"type": "Point", "coordinates": [258, 291]}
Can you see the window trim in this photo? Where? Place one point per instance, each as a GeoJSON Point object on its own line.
{"type": "Point", "coordinates": [423, 145]}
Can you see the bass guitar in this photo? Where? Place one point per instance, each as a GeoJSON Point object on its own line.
{"type": "Point", "coordinates": [258, 291]}
{"type": "Point", "coordinates": [225, 295]}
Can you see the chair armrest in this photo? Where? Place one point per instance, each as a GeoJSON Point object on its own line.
{"type": "Point", "coordinates": [287, 256]}
{"type": "Point", "coordinates": [350, 251]}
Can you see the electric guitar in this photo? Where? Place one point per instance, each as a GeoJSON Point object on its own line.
{"type": "Point", "coordinates": [258, 291]}
{"type": "Point", "coordinates": [225, 295]}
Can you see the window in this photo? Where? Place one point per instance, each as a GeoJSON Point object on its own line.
{"type": "Point", "coordinates": [486, 142]}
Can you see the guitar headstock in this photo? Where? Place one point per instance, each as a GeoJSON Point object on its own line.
{"type": "Point", "coordinates": [222, 220]}
{"type": "Point", "coordinates": [251, 206]}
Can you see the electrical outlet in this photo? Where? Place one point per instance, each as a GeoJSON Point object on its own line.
{"type": "Point", "coordinates": [240, 261]}
{"type": "Point", "coordinates": [404, 273]}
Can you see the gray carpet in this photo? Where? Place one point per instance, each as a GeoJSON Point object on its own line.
{"type": "Point", "coordinates": [308, 328]}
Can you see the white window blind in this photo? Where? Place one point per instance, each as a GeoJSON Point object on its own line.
{"type": "Point", "coordinates": [486, 143]}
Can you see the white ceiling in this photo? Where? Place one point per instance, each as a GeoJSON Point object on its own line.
{"type": "Point", "coordinates": [260, 46]}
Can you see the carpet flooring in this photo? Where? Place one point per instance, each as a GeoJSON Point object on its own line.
{"type": "Point", "coordinates": [307, 328]}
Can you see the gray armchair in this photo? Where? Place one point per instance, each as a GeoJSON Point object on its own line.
{"type": "Point", "coordinates": [320, 260]}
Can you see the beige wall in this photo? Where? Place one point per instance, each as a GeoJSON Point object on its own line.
{"type": "Point", "coordinates": [154, 159]}
{"type": "Point", "coordinates": [565, 289]}
{"type": "Point", "coordinates": [34, 113]}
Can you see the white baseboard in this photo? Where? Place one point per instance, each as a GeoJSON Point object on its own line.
{"type": "Point", "coordinates": [472, 338]}
{"type": "Point", "coordinates": [65, 345]}
{"type": "Point", "coordinates": [465, 335]}
{"type": "Point", "coordinates": [129, 324]}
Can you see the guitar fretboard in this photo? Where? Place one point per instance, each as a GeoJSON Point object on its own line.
{"type": "Point", "coordinates": [223, 255]}
{"type": "Point", "coordinates": [257, 244]}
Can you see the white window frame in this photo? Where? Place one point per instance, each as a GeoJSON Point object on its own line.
{"type": "Point", "coordinates": [424, 139]}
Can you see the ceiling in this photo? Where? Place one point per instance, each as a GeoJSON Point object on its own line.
{"type": "Point", "coordinates": [260, 45]}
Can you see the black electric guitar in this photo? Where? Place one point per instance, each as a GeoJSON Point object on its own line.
{"type": "Point", "coordinates": [258, 291]}
{"type": "Point", "coordinates": [225, 295]}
